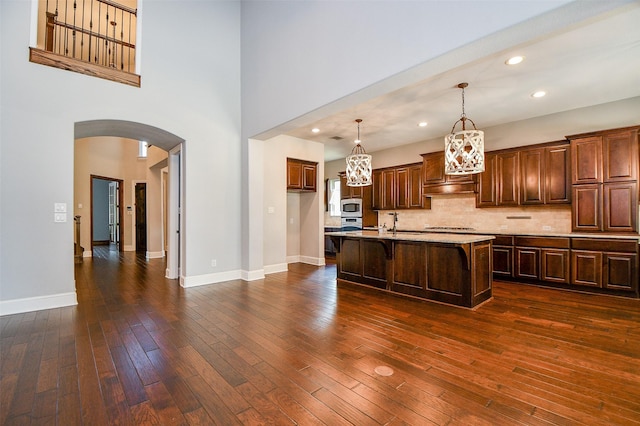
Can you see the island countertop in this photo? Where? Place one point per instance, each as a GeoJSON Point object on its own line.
{"type": "Point", "coordinates": [416, 236]}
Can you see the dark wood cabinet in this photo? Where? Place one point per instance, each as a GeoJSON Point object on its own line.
{"type": "Point", "coordinates": [301, 175]}
{"type": "Point", "coordinates": [543, 259]}
{"type": "Point", "coordinates": [500, 182]}
{"type": "Point", "coordinates": [487, 193]}
{"type": "Point", "coordinates": [398, 188]}
{"type": "Point", "coordinates": [554, 265]}
{"type": "Point", "coordinates": [527, 261]}
{"type": "Point", "coordinates": [605, 180]}
{"type": "Point", "coordinates": [586, 211]}
{"type": "Point", "coordinates": [508, 182]}
{"type": "Point", "coordinates": [620, 206]}
{"type": "Point", "coordinates": [620, 156]}
{"type": "Point", "coordinates": [350, 191]}
{"type": "Point", "coordinates": [503, 256]}
{"type": "Point", "coordinates": [532, 176]}
{"type": "Point", "coordinates": [586, 160]}
{"type": "Point", "coordinates": [557, 174]}
{"type": "Point", "coordinates": [435, 181]}
{"type": "Point", "coordinates": [544, 175]}
{"type": "Point", "coordinates": [605, 263]}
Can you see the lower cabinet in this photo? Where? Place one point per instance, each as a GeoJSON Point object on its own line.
{"type": "Point", "coordinates": [606, 264]}
{"type": "Point", "coordinates": [591, 264]}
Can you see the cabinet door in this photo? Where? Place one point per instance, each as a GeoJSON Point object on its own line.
{"type": "Point", "coordinates": [508, 179]}
{"type": "Point", "coordinates": [527, 262]}
{"type": "Point", "coordinates": [349, 191]}
{"type": "Point", "coordinates": [402, 188]}
{"type": "Point", "coordinates": [586, 159]}
{"type": "Point", "coordinates": [503, 261]}
{"type": "Point", "coordinates": [388, 190]}
{"type": "Point", "coordinates": [620, 207]}
{"type": "Point", "coordinates": [294, 174]}
{"type": "Point", "coordinates": [620, 271]}
{"type": "Point", "coordinates": [433, 168]}
{"type": "Point", "coordinates": [555, 265]}
{"type": "Point", "coordinates": [586, 209]}
{"type": "Point", "coordinates": [486, 196]}
{"type": "Point", "coordinates": [557, 175]}
{"type": "Point", "coordinates": [620, 156]}
{"type": "Point", "coordinates": [377, 190]}
{"type": "Point", "coordinates": [586, 268]}
{"type": "Point", "coordinates": [532, 179]}
{"type": "Point", "coordinates": [309, 177]}
{"type": "Point", "coordinates": [416, 200]}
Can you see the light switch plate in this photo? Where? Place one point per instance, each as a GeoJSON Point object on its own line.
{"type": "Point", "coordinates": [60, 207]}
{"type": "Point", "coordinates": [59, 217]}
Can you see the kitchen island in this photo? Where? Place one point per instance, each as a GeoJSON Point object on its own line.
{"type": "Point", "coordinates": [450, 268]}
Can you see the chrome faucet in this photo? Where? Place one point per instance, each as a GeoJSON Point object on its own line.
{"type": "Point", "coordinates": [395, 221]}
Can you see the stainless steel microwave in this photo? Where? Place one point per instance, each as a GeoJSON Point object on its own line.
{"type": "Point", "coordinates": [351, 207]}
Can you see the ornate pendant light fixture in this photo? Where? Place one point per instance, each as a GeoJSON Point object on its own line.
{"type": "Point", "coordinates": [464, 150]}
{"type": "Point", "coordinates": [358, 164]}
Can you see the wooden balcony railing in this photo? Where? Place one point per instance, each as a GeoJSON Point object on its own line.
{"type": "Point", "coordinates": [94, 37]}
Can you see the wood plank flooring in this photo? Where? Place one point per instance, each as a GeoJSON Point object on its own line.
{"type": "Point", "coordinates": [295, 349]}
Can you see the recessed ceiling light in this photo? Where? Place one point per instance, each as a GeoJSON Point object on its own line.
{"type": "Point", "coordinates": [422, 124]}
{"type": "Point", "coordinates": [515, 60]}
{"type": "Point", "coordinates": [315, 130]}
{"type": "Point", "coordinates": [538, 94]}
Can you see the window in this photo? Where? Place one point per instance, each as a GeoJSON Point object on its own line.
{"type": "Point", "coordinates": [143, 146]}
{"type": "Point", "coordinates": [333, 195]}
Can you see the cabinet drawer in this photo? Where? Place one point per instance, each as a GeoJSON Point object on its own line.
{"type": "Point", "coordinates": [547, 242]}
{"type": "Point", "coordinates": [621, 246]}
{"type": "Point", "coordinates": [503, 240]}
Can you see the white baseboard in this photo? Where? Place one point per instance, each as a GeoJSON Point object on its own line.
{"type": "Point", "coordinates": [316, 261]}
{"type": "Point", "coordinates": [87, 253]}
{"type": "Point", "coordinates": [279, 267]}
{"type": "Point", "coordinates": [129, 248]}
{"type": "Point", "coordinates": [29, 304]}
{"type": "Point", "coordinates": [293, 259]}
{"type": "Point", "coordinates": [155, 254]}
{"type": "Point", "coordinates": [252, 275]}
{"type": "Point", "coordinates": [197, 280]}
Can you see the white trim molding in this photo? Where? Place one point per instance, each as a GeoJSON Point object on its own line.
{"type": "Point", "coordinates": [154, 254]}
{"type": "Point", "coordinates": [87, 253]}
{"type": "Point", "coordinates": [279, 267]}
{"type": "Point", "coordinates": [205, 279]}
{"type": "Point", "coordinates": [29, 304]}
{"type": "Point", "coordinates": [316, 261]}
{"type": "Point", "coordinates": [258, 274]}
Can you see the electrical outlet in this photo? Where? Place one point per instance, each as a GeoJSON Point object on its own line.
{"type": "Point", "coordinates": [60, 207]}
{"type": "Point", "coordinates": [547, 228]}
{"type": "Point", "coordinates": [214, 262]}
{"type": "Point", "coordinates": [59, 217]}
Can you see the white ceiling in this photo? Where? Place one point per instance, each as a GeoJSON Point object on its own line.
{"type": "Point", "coordinates": [595, 63]}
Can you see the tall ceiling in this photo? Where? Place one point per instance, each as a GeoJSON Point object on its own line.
{"type": "Point", "coordinates": [594, 63]}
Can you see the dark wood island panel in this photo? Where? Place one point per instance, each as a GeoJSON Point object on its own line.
{"type": "Point", "coordinates": [452, 269]}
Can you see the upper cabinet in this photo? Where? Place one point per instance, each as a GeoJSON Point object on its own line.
{"type": "Point", "coordinates": [301, 175]}
{"type": "Point", "coordinates": [398, 188]}
{"type": "Point", "coordinates": [544, 175]}
{"type": "Point", "coordinates": [605, 180]}
{"type": "Point", "coordinates": [534, 175]}
{"type": "Point", "coordinates": [435, 181]}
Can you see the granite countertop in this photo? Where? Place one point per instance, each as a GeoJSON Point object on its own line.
{"type": "Point", "coordinates": [432, 237]}
{"type": "Point", "coordinates": [528, 234]}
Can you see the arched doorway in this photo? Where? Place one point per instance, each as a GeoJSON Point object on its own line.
{"type": "Point", "coordinates": [174, 146]}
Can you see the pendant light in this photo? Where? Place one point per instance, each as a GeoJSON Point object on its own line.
{"type": "Point", "coordinates": [358, 164]}
{"type": "Point", "coordinates": [464, 150]}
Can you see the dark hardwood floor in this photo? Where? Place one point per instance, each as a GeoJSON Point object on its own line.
{"type": "Point", "coordinates": [295, 349]}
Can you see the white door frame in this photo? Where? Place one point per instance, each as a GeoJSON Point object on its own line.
{"type": "Point", "coordinates": [175, 239]}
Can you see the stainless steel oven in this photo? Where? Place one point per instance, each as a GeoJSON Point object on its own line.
{"type": "Point", "coordinates": [351, 224]}
{"type": "Point", "coordinates": [351, 207]}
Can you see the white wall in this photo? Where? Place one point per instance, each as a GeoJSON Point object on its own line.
{"type": "Point", "coordinates": [190, 87]}
{"type": "Point", "coordinates": [300, 240]}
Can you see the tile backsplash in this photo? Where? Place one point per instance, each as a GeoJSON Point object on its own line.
{"type": "Point", "coordinates": [460, 211]}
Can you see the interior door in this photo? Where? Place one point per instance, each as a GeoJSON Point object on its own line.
{"type": "Point", "coordinates": [141, 216]}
